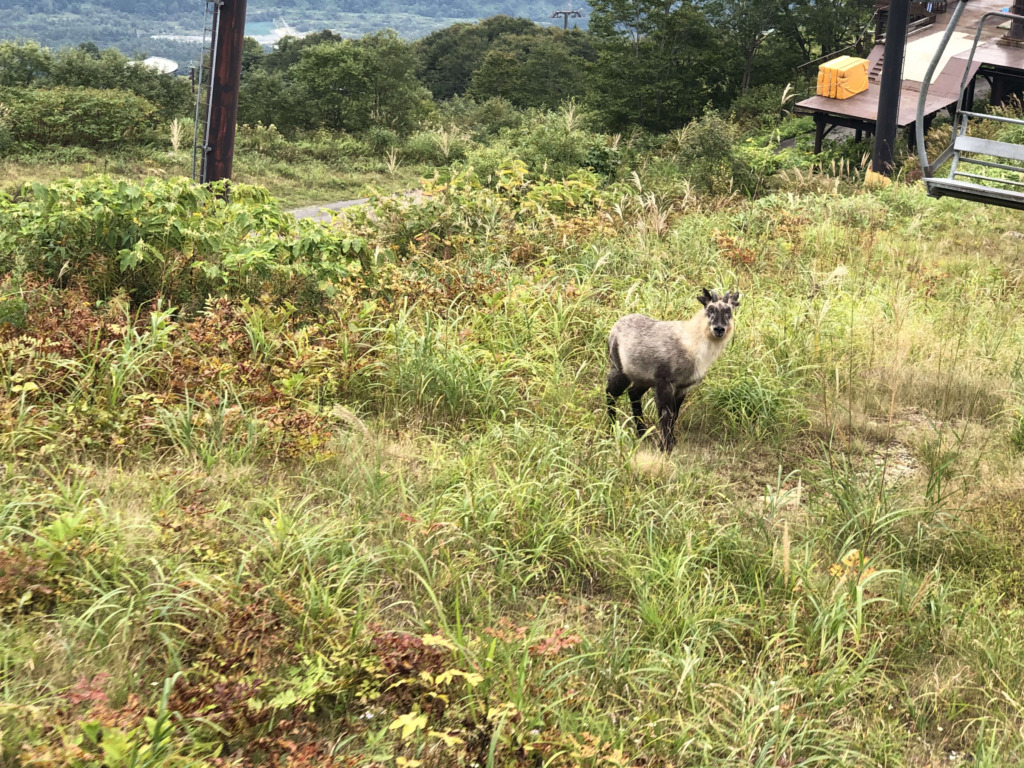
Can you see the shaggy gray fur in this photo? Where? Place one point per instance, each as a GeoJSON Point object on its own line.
{"type": "Point", "coordinates": [668, 356]}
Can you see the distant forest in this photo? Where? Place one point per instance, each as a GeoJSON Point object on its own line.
{"type": "Point", "coordinates": [128, 25]}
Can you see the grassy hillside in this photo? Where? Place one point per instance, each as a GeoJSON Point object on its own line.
{"type": "Point", "coordinates": [301, 175]}
{"type": "Point", "coordinates": [364, 507]}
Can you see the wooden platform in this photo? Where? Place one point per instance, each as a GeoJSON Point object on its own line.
{"type": "Point", "coordinates": [860, 112]}
{"type": "Point", "coordinates": [864, 106]}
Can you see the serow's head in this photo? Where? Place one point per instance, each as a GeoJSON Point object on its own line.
{"type": "Point", "coordinates": [718, 311]}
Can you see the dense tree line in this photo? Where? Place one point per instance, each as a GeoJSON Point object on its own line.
{"type": "Point", "coordinates": [647, 63]}
{"type": "Point", "coordinates": [29, 65]}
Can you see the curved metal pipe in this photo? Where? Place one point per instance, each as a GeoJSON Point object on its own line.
{"type": "Point", "coordinates": [925, 168]}
{"type": "Point", "coordinates": [923, 95]}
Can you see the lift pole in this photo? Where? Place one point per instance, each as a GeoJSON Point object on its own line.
{"type": "Point", "coordinates": [226, 76]}
{"type": "Point", "coordinates": [1015, 37]}
{"type": "Point", "coordinates": [889, 95]}
{"type": "Point", "coordinates": [566, 15]}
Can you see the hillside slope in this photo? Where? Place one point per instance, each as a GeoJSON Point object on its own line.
{"type": "Point", "coordinates": [364, 507]}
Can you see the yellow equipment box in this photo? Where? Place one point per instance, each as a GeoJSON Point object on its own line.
{"type": "Point", "coordinates": [827, 76]}
{"type": "Point", "coordinates": [843, 77]}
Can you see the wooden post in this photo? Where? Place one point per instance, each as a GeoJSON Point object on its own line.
{"type": "Point", "coordinates": [226, 75]}
{"type": "Point", "coordinates": [819, 131]}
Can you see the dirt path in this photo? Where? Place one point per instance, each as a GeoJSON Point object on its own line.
{"type": "Point", "coordinates": [320, 212]}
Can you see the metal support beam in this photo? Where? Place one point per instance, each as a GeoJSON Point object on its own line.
{"type": "Point", "coordinates": [227, 75]}
{"type": "Point", "coordinates": [889, 96]}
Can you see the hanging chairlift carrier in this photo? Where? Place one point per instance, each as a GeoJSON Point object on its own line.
{"type": "Point", "coordinates": [968, 151]}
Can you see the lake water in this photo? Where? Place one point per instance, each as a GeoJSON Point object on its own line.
{"type": "Point", "coordinates": [265, 32]}
{"type": "Point", "coordinates": [254, 28]}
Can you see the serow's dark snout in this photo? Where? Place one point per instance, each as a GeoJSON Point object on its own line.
{"type": "Point", "coordinates": [719, 330]}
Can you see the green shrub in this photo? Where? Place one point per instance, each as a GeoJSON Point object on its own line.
{"type": "Point", "coordinates": [438, 147]}
{"type": "Point", "coordinates": [480, 119]}
{"type": "Point", "coordinates": [172, 239]}
{"type": "Point", "coordinates": [58, 155]}
{"type": "Point", "coordinates": [381, 139]}
{"type": "Point", "coordinates": [706, 152]}
{"type": "Point", "coordinates": [764, 106]}
{"type": "Point", "coordinates": [560, 143]}
{"type": "Point", "coordinates": [82, 117]}
{"type": "Point", "coordinates": [329, 147]}
{"type": "Point", "coordinates": [495, 114]}
{"type": "Point", "coordinates": [265, 139]}
{"type": "Point", "coordinates": [487, 160]}
{"type": "Point", "coordinates": [320, 145]}
{"type": "Point", "coordinates": [112, 70]}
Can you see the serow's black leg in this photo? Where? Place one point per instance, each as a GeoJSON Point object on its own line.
{"type": "Point", "coordinates": [665, 398]}
{"type": "Point", "coordinates": [635, 393]}
{"type": "Point", "coordinates": [618, 382]}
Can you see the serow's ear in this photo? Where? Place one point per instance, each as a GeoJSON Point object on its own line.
{"type": "Point", "coordinates": [733, 298]}
{"type": "Point", "coordinates": [706, 297]}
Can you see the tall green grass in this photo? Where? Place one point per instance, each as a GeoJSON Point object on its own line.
{"type": "Point", "coordinates": [403, 532]}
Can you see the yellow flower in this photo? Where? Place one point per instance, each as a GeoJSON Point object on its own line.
{"type": "Point", "coordinates": [853, 559]}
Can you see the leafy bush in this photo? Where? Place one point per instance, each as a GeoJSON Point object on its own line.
{"type": "Point", "coordinates": [438, 147]}
{"type": "Point", "coordinates": [381, 139]}
{"type": "Point", "coordinates": [487, 160]}
{"type": "Point", "coordinates": [172, 239]}
{"type": "Point", "coordinates": [320, 145]}
{"type": "Point", "coordinates": [560, 143]}
{"type": "Point", "coordinates": [764, 106]}
{"type": "Point", "coordinates": [482, 119]}
{"type": "Point", "coordinates": [83, 117]}
{"type": "Point", "coordinates": [266, 139]}
{"type": "Point", "coordinates": [706, 152]}
{"type": "Point", "coordinates": [112, 70]}
{"type": "Point", "coordinates": [328, 147]}
{"type": "Point", "coordinates": [57, 155]}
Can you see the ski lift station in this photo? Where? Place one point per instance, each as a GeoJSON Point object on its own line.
{"type": "Point", "coordinates": [1001, 65]}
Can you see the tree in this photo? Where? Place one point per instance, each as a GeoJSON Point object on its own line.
{"type": "Point", "coordinates": [449, 57]}
{"type": "Point", "coordinates": [660, 63]}
{"type": "Point", "coordinates": [267, 98]}
{"type": "Point", "coordinates": [23, 63]}
{"type": "Point", "coordinates": [288, 50]}
{"type": "Point", "coordinates": [353, 84]}
{"type": "Point", "coordinates": [748, 23]}
{"type": "Point", "coordinates": [252, 54]}
{"type": "Point", "coordinates": [822, 27]}
{"type": "Point", "coordinates": [540, 69]}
